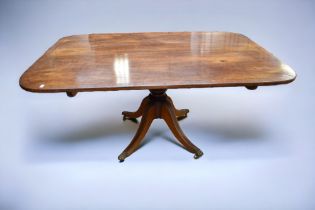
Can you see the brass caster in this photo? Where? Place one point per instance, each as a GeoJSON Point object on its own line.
{"type": "Point", "coordinates": [187, 111]}
{"type": "Point", "coordinates": [134, 120]}
{"type": "Point", "coordinates": [122, 157]}
{"type": "Point", "coordinates": [181, 117]}
{"type": "Point", "coordinates": [198, 154]}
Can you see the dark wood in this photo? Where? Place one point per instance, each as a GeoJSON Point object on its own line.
{"type": "Point", "coordinates": [134, 61]}
{"type": "Point", "coordinates": [156, 62]}
{"type": "Point", "coordinates": [251, 87]}
{"type": "Point", "coordinates": [154, 106]}
{"type": "Point", "coordinates": [71, 93]}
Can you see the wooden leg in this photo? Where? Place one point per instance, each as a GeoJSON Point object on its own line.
{"type": "Point", "coordinates": [180, 113]}
{"type": "Point", "coordinates": [148, 117]}
{"type": "Point", "coordinates": [132, 116]}
{"type": "Point", "coordinates": [158, 105]}
{"type": "Point", "coordinates": [169, 115]}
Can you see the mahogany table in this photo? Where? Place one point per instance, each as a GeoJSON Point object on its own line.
{"type": "Point", "coordinates": [155, 62]}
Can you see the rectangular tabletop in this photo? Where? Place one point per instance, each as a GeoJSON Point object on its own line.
{"type": "Point", "coordinates": [124, 61]}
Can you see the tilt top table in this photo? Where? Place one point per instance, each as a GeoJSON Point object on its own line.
{"type": "Point", "coordinates": [155, 62]}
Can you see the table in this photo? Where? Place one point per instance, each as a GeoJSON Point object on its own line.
{"type": "Point", "coordinates": [154, 61]}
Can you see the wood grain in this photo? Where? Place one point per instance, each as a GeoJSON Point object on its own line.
{"type": "Point", "coordinates": [166, 60]}
{"type": "Point", "coordinates": [157, 105]}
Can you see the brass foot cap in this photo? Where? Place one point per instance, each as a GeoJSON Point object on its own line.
{"type": "Point", "coordinates": [198, 154]}
{"type": "Point", "coordinates": [134, 120]}
{"type": "Point", "coordinates": [122, 157]}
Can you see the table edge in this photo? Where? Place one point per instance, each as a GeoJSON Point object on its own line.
{"type": "Point", "coordinates": [158, 87]}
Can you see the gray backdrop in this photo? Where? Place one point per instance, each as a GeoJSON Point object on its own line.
{"type": "Point", "coordinates": [61, 153]}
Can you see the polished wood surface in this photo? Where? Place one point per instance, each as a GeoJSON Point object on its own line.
{"type": "Point", "coordinates": [126, 61]}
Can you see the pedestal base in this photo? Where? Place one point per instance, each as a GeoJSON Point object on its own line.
{"type": "Point", "coordinates": [158, 105]}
